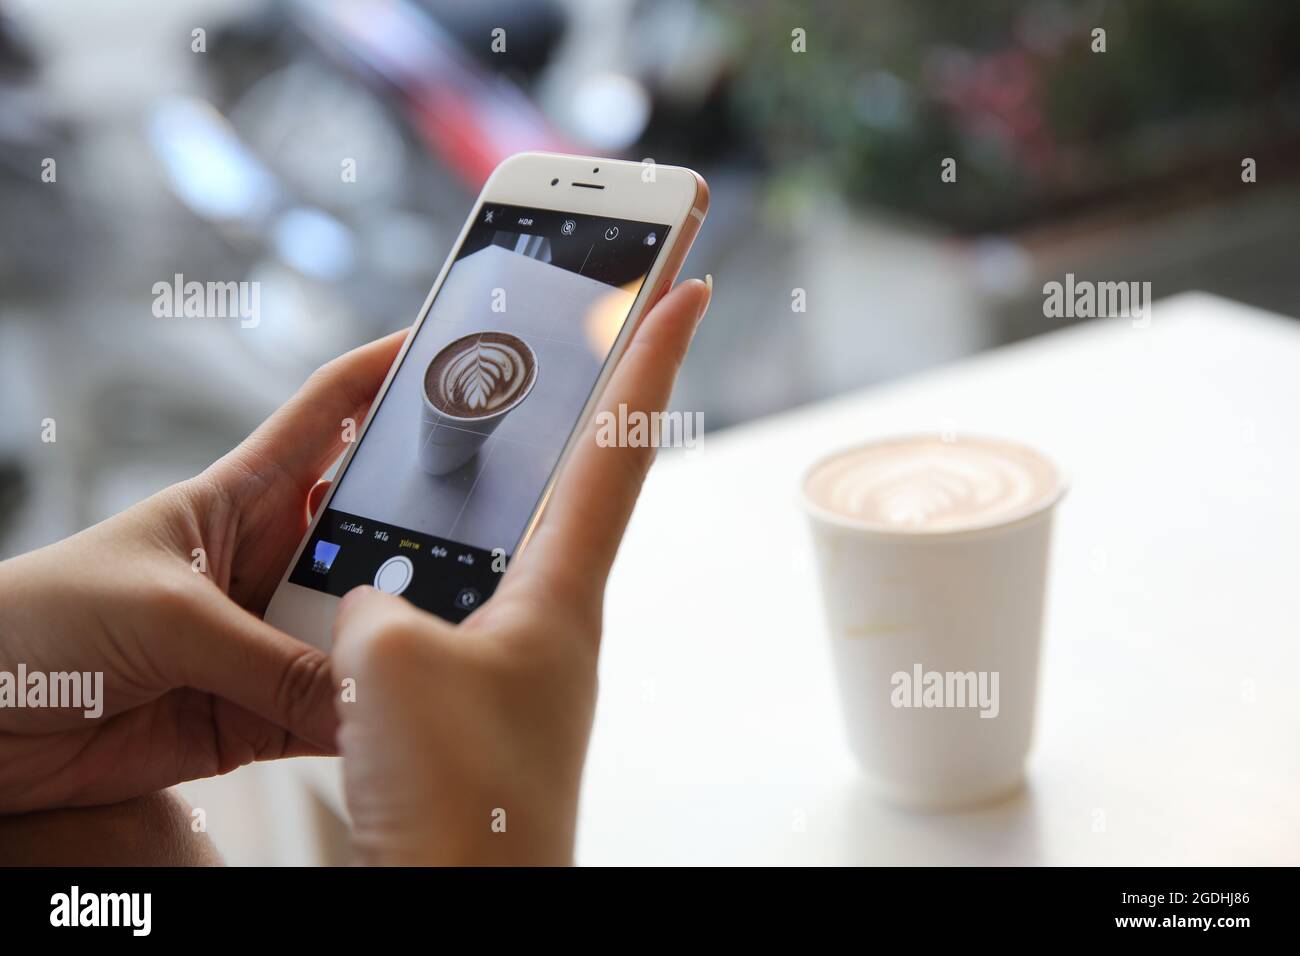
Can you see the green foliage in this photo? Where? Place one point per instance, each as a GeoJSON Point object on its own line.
{"type": "Point", "coordinates": [1038, 123]}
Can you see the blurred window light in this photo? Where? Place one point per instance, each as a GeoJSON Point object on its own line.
{"type": "Point", "coordinates": [314, 243]}
{"type": "Point", "coordinates": [317, 130]}
{"type": "Point", "coordinates": [610, 111]}
{"type": "Point", "coordinates": [208, 167]}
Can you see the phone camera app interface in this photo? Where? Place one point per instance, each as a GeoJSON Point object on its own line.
{"type": "Point", "coordinates": [440, 490]}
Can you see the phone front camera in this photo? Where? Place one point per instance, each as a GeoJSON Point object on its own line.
{"type": "Point", "coordinates": [554, 181]}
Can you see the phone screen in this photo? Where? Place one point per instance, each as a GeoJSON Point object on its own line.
{"type": "Point", "coordinates": [442, 485]}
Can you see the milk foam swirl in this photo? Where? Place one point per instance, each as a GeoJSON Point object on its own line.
{"type": "Point", "coordinates": [480, 374]}
{"type": "Point", "coordinates": [927, 485]}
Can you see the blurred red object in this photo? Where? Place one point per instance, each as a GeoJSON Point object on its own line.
{"type": "Point", "coordinates": [469, 117]}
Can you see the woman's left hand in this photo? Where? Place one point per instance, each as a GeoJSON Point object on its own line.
{"type": "Point", "coordinates": [164, 601]}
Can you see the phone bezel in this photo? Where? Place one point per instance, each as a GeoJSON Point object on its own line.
{"type": "Point", "coordinates": [673, 195]}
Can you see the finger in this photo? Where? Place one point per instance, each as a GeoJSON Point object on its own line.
{"type": "Point", "coordinates": [365, 612]}
{"type": "Point", "coordinates": [297, 747]}
{"type": "Point", "coordinates": [575, 544]}
{"type": "Point", "coordinates": [316, 496]}
{"type": "Point", "coordinates": [306, 434]}
{"type": "Point", "coordinates": [260, 739]}
{"type": "Point", "coordinates": [371, 625]}
{"type": "Point", "coordinates": [228, 652]}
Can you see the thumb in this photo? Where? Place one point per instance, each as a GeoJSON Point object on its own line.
{"type": "Point", "coordinates": [383, 654]}
{"type": "Point", "coordinates": [371, 625]}
{"type": "Point", "coordinates": [305, 435]}
{"type": "Point", "coordinates": [235, 655]}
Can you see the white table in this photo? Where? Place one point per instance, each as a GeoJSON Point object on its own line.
{"type": "Point", "coordinates": [1169, 718]}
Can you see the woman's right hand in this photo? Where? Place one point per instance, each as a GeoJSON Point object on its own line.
{"type": "Point", "coordinates": [465, 744]}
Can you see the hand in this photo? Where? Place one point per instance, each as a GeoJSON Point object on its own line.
{"type": "Point", "coordinates": [165, 600]}
{"type": "Point", "coordinates": [457, 731]}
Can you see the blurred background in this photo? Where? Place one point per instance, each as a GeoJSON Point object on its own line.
{"type": "Point", "coordinates": [207, 137]}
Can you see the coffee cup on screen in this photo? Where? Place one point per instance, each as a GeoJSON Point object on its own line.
{"type": "Point", "coordinates": [468, 388]}
{"type": "Point", "coordinates": [933, 559]}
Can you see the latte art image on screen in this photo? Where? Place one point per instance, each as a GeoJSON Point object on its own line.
{"type": "Point", "coordinates": [480, 374]}
{"type": "Point", "coordinates": [471, 385]}
{"type": "Point", "coordinates": [926, 485]}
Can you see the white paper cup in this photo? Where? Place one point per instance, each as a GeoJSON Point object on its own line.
{"type": "Point", "coordinates": [964, 606]}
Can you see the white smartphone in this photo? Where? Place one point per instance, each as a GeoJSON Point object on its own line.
{"type": "Point", "coordinates": [449, 474]}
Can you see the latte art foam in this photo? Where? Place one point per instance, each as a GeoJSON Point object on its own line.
{"type": "Point", "coordinates": [925, 485]}
{"type": "Point", "coordinates": [480, 374]}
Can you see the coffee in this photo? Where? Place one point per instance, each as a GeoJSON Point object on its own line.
{"type": "Point", "coordinates": [924, 485]}
{"type": "Point", "coordinates": [470, 387]}
{"type": "Point", "coordinates": [480, 375]}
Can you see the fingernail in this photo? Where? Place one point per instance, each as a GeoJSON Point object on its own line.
{"type": "Point", "coordinates": [708, 286]}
